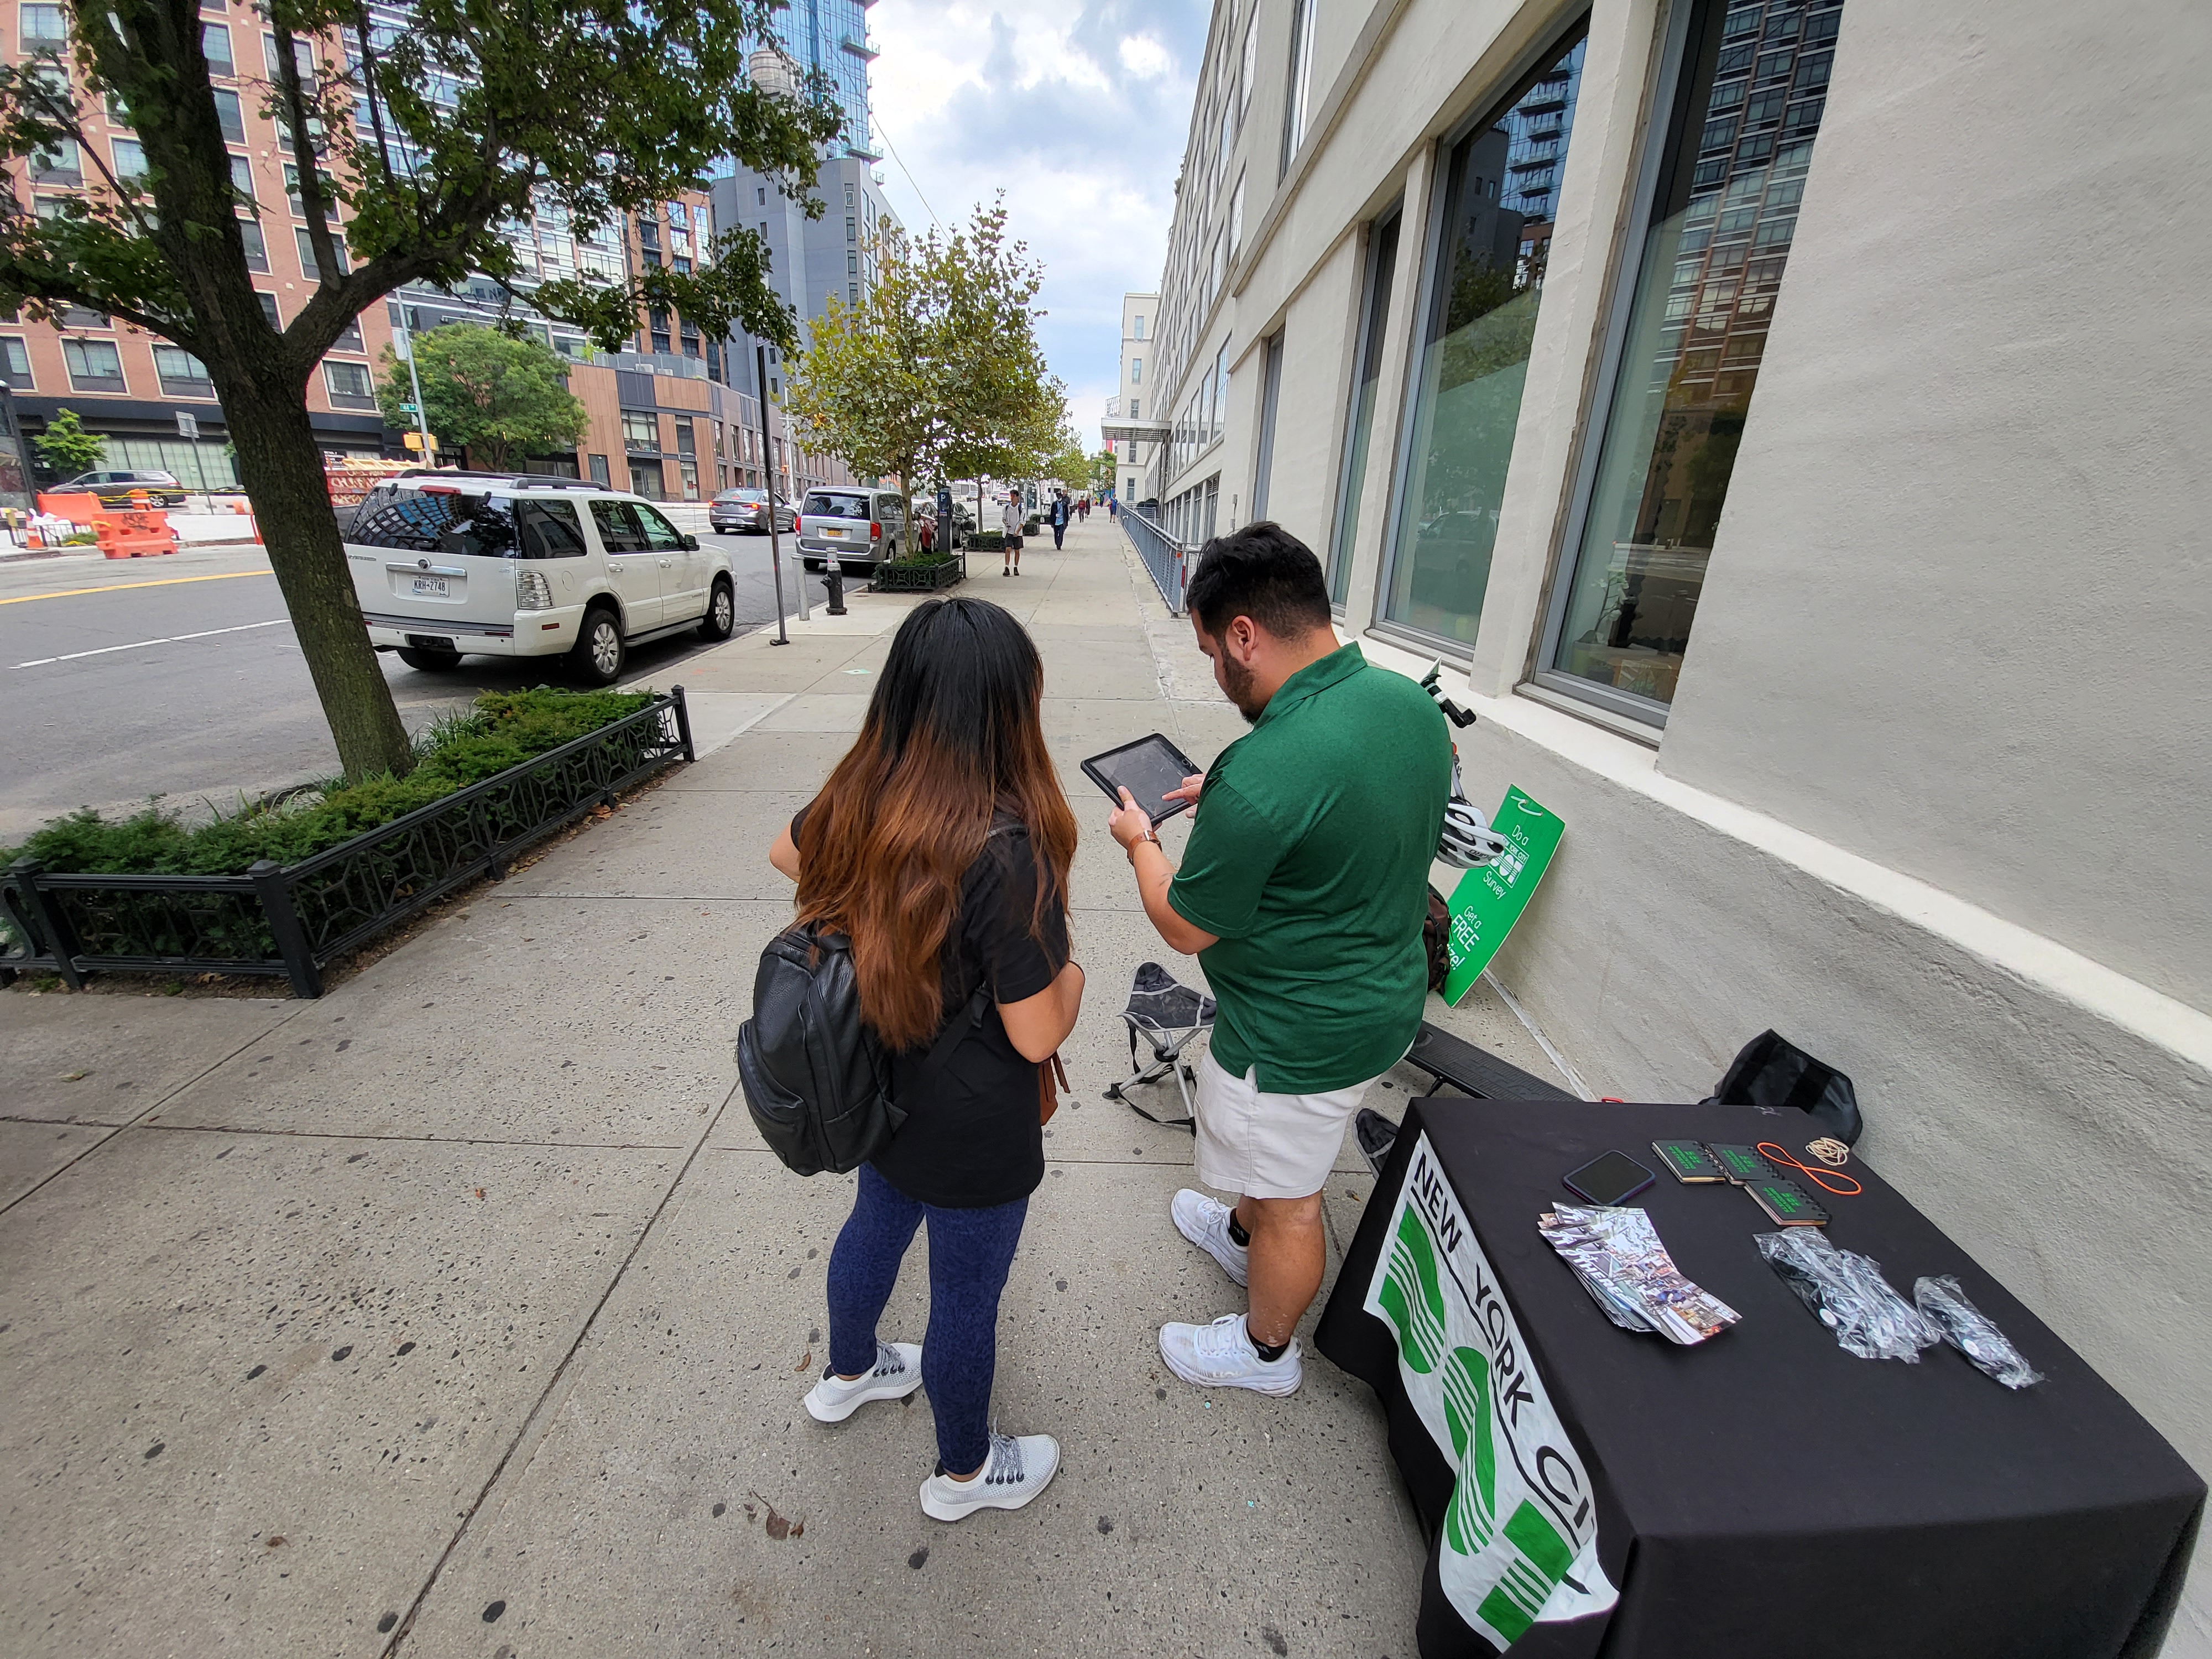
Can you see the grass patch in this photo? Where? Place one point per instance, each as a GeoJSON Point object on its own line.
{"type": "Point", "coordinates": [504, 729]}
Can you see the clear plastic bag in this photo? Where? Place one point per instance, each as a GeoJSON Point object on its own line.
{"type": "Point", "coordinates": [1967, 1329]}
{"type": "Point", "coordinates": [1848, 1294]}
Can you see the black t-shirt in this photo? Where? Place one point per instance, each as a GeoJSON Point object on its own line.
{"type": "Point", "coordinates": [971, 1137]}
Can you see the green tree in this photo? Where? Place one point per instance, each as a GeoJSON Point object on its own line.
{"type": "Point", "coordinates": [938, 371]}
{"type": "Point", "coordinates": [497, 396]}
{"type": "Point", "coordinates": [67, 447]}
{"type": "Point", "coordinates": [1101, 471]}
{"type": "Point", "coordinates": [417, 149]}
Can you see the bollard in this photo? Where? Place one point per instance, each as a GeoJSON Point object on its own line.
{"type": "Point", "coordinates": [832, 577]}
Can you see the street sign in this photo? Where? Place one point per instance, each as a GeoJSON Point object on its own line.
{"type": "Point", "coordinates": [188, 426]}
{"type": "Point", "coordinates": [409, 408]}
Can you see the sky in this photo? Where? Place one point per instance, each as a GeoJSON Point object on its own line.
{"type": "Point", "coordinates": [1078, 112]}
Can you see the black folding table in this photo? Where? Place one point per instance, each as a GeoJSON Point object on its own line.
{"type": "Point", "coordinates": [1763, 1493]}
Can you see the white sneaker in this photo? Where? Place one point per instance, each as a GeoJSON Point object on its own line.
{"type": "Point", "coordinates": [1205, 1222]}
{"type": "Point", "coordinates": [1221, 1356]}
{"type": "Point", "coordinates": [897, 1374]}
{"type": "Point", "coordinates": [1016, 1471]}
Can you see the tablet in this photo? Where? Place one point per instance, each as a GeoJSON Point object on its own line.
{"type": "Point", "coordinates": [1147, 769]}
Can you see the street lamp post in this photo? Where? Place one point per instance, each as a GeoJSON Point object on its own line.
{"type": "Point", "coordinates": [415, 383]}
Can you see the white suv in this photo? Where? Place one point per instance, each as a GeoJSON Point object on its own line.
{"type": "Point", "coordinates": [447, 563]}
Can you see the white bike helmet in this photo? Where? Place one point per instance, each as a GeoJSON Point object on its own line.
{"type": "Point", "coordinates": [1467, 840]}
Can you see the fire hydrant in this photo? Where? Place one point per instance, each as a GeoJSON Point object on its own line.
{"type": "Point", "coordinates": [833, 578]}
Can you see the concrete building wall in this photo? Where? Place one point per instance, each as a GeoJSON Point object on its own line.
{"type": "Point", "coordinates": [1926, 796]}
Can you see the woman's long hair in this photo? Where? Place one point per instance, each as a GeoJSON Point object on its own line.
{"type": "Point", "coordinates": [952, 739]}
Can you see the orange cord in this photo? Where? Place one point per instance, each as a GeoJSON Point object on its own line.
{"type": "Point", "coordinates": [1824, 1179]}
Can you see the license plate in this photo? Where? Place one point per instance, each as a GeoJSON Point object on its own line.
{"type": "Point", "coordinates": [833, 532]}
{"type": "Point", "coordinates": [431, 587]}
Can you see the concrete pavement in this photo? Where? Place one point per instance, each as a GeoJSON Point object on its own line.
{"type": "Point", "coordinates": [463, 1312]}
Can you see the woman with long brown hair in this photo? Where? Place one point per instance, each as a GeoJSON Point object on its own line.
{"type": "Point", "coordinates": [940, 847]}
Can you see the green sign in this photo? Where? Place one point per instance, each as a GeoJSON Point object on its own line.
{"type": "Point", "coordinates": [1491, 899]}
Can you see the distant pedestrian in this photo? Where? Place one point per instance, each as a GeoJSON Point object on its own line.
{"type": "Point", "coordinates": [926, 531]}
{"type": "Point", "coordinates": [1113, 507]}
{"type": "Point", "coordinates": [945, 537]}
{"type": "Point", "coordinates": [1010, 517]}
{"type": "Point", "coordinates": [1060, 516]}
{"type": "Point", "coordinates": [1083, 509]}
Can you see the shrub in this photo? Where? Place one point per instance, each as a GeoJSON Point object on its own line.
{"type": "Point", "coordinates": [504, 729]}
{"type": "Point", "coordinates": [987, 541]}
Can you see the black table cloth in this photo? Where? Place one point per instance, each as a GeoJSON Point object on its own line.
{"type": "Point", "coordinates": [1764, 1493]}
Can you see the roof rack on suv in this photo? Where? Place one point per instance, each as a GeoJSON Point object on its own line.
{"type": "Point", "coordinates": [538, 480]}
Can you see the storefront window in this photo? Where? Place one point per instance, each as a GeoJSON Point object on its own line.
{"type": "Point", "coordinates": [1501, 194]}
{"type": "Point", "coordinates": [1751, 86]}
{"type": "Point", "coordinates": [1382, 261]}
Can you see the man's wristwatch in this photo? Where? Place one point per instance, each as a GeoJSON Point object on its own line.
{"type": "Point", "coordinates": [1150, 835]}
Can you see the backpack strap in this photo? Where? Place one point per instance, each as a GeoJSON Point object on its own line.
{"type": "Point", "coordinates": [970, 1017]}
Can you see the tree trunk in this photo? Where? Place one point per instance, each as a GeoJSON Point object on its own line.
{"type": "Point", "coordinates": [282, 467]}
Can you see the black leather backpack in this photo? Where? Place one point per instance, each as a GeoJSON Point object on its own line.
{"type": "Point", "coordinates": [816, 1081]}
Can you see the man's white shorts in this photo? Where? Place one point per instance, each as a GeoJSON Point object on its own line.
{"type": "Point", "coordinates": [1267, 1145]}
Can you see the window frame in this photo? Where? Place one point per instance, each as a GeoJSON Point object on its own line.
{"type": "Point", "coordinates": [1672, 94]}
{"type": "Point", "coordinates": [1367, 341]}
{"type": "Point", "coordinates": [1520, 77]}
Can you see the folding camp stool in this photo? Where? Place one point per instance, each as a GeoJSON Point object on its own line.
{"type": "Point", "coordinates": [1168, 1015]}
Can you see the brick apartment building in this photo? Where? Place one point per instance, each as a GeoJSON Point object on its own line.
{"type": "Point", "coordinates": [666, 418]}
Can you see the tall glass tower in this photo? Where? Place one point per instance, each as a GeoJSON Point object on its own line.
{"type": "Point", "coordinates": [831, 37]}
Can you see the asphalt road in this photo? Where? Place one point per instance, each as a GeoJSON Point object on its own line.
{"type": "Point", "coordinates": [181, 678]}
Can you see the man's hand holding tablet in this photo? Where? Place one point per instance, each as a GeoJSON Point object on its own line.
{"type": "Point", "coordinates": [1152, 772]}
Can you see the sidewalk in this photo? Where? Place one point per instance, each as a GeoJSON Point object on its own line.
{"type": "Point", "coordinates": [466, 1296]}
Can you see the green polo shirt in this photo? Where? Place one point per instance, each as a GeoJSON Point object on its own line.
{"type": "Point", "coordinates": [1309, 860]}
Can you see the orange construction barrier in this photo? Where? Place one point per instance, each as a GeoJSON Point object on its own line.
{"type": "Point", "coordinates": [78, 506]}
{"type": "Point", "coordinates": [135, 535]}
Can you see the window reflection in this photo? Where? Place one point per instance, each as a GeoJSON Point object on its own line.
{"type": "Point", "coordinates": [1500, 199]}
{"type": "Point", "coordinates": [1754, 77]}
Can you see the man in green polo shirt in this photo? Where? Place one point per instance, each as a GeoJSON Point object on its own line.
{"type": "Point", "coordinates": [1302, 891]}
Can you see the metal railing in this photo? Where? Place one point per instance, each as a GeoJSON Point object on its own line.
{"type": "Point", "coordinates": [294, 919]}
{"type": "Point", "coordinates": [1168, 560]}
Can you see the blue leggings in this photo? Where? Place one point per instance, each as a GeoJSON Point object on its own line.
{"type": "Point", "coordinates": [969, 1253]}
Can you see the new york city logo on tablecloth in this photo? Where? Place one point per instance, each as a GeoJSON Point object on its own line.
{"type": "Point", "coordinates": [1461, 1360]}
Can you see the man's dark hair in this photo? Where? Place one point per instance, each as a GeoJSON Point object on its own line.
{"type": "Point", "coordinates": [1263, 572]}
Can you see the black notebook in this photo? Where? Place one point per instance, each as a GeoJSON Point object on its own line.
{"type": "Point", "coordinates": [1688, 1161]}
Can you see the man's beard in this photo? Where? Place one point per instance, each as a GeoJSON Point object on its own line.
{"type": "Point", "coordinates": [1237, 681]}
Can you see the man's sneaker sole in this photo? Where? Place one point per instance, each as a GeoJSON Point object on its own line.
{"type": "Point", "coordinates": [888, 1390]}
{"type": "Point", "coordinates": [1276, 1387]}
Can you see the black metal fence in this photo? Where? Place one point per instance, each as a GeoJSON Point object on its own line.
{"type": "Point", "coordinates": [294, 919]}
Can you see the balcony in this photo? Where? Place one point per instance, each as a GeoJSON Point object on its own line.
{"type": "Point", "coordinates": [864, 47]}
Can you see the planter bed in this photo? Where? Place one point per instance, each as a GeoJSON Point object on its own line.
{"type": "Point", "coordinates": [916, 576]}
{"type": "Point", "coordinates": [293, 918]}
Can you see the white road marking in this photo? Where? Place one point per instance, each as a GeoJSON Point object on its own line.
{"type": "Point", "coordinates": [140, 644]}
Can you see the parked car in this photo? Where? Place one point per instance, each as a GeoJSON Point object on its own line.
{"type": "Point", "coordinates": [855, 526]}
{"type": "Point", "coordinates": [121, 489]}
{"type": "Point", "coordinates": [745, 511]}
{"type": "Point", "coordinates": [448, 564]}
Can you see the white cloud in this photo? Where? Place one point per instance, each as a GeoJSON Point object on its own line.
{"type": "Point", "coordinates": [1078, 112]}
{"type": "Point", "coordinates": [1143, 56]}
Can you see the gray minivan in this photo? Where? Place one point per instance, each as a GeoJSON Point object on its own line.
{"type": "Point", "coordinates": [855, 526]}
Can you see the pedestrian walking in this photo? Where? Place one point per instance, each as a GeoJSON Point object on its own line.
{"type": "Point", "coordinates": [1302, 891]}
{"type": "Point", "coordinates": [1113, 507]}
{"type": "Point", "coordinates": [1082, 507]}
{"type": "Point", "coordinates": [1010, 517]}
{"type": "Point", "coordinates": [1060, 517]}
{"type": "Point", "coordinates": [940, 847]}
{"type": "Point", "coordinates": [926, 531]}
{"type": "Point", "coordinates": [945, 537]}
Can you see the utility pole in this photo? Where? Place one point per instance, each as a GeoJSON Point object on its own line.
{"type": "Point", "coordinates": [415, 383]}
{"type": "Point", "coordinates": [768, 470]}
